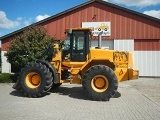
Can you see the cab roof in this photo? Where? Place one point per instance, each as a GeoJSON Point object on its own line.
{"type": "Point", "coordinates": [79, 29]}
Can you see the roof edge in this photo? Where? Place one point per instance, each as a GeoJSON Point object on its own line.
{"type": "Point", "coordinates": [129, 10]}
{"type": "Point", "coordinates": [49, 18]}
{"type": "Point", "coordinates": [78, 6]}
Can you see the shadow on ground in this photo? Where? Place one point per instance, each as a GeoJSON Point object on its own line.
{"type": "Point", "coordinates": [73, 92]}
{"type": "Point", "coordinates": [76, 92]}
{"type": "Point", "coordinates": [16, 93]}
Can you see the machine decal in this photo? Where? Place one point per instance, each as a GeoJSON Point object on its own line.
{"type": "Point", "coordinates": [120, 58]}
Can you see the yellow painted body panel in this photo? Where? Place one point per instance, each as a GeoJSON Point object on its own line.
{"type": "Point", "coordinates": [130, 60]}
{"type": "Point", "coordinates": [73, 64]}
{"type": "Point", "coordinates": [121, 62]}
{"type": "Point", "coordinates": [122, 74]}
{"type": "Point", "coordinates": [133, 74]}
{"type": "Point", "coordinates": [101, 54]}
{"type": "Point", "coordinates": [76, 79]}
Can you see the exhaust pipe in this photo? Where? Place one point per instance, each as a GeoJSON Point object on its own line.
{"type": "Point", "coordinates": [100, 40]}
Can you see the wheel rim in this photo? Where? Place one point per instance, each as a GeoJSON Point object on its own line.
{"type": "Point", "coordinates": [100, 83]}
{"type": "Point", "coordinates": [33, 80]}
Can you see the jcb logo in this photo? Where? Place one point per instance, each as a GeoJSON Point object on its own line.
{"type": "Point", "coordinates": [102, 27]}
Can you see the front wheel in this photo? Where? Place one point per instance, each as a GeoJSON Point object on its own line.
{"type": "Point", "coordinates": [35, 80]}
{"type": "Point", "coordinates": [100, 83]}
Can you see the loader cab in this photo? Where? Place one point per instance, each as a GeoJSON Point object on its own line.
{"type": "Point", "coordinates": [76, 45]}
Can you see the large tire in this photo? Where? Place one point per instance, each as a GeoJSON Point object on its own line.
{"type": "Point", "coordinates": [100, 83]}
{"type": "Point", "coordinates": [35, 80]}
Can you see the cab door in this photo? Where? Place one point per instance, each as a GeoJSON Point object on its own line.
{"type": "Point", "coordinates": [79, 46]}
{"type": "Point", "coordinates": [76, 47]}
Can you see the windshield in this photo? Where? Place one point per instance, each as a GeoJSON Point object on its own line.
{"type": "Point", "coordinates": [66, 45]}
{"type": "Point", "coordinates": [78, 40]}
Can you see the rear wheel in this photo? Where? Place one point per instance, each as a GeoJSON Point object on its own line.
{"type": "Point", "coordinates": [35, 80]}
{"type": "Point", "coordinates": [100, 83]}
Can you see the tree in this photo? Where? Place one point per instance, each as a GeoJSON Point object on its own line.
{"type": "Point", "coordinates": [27, 47]}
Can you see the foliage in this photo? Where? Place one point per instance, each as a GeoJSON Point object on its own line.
{"type": "Point", "coordinates": [8, 78]}
{"type": "Point", "coordinates": [5, 78]}
{"type": "Point", "coordinates": [14, 77]}
{"type": "Point", "coordinates": [26, 47]}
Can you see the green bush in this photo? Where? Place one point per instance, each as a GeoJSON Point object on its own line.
{"type": "Point", "coordinates": [5, 78]}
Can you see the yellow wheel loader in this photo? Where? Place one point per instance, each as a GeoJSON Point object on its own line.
{"type": "Point", "coordinates": [73, 60]}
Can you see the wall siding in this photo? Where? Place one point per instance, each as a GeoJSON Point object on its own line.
{"type": "Point", "coordinates": [124, 45]}
{"type": "Point", "coordinates": [124, 25]}
{"type": "Point", "coordinates": [147, 62]}
{"type": "Point", "coordinates": [6, 67]}
{"type": "Point", "coordinates": [147, 56]}
{"type": "Point", "coordinates": [147, 45]}
{"type": "Point", "coordinates": [108, 44]}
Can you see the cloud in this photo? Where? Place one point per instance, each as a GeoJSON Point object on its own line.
{"type": "Point", "coordinates": [5, 23]}
{"type": "Point", "coordinates": [138, 3]}
{"type": "Point", "coordinates": [26, 23]}
{"type": "Point", "coordinates": [19, 18]}
{"type": "Point", "coordinates": [153, 13]}
{"type": "Point", "coordinates": [41, 17]}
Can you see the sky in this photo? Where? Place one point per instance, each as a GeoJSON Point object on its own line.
{"type": "Point", "coordinates": [16, 14]}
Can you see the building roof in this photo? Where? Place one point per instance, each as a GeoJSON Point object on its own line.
{"type": "Point", "coordinates": [78, 6]}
